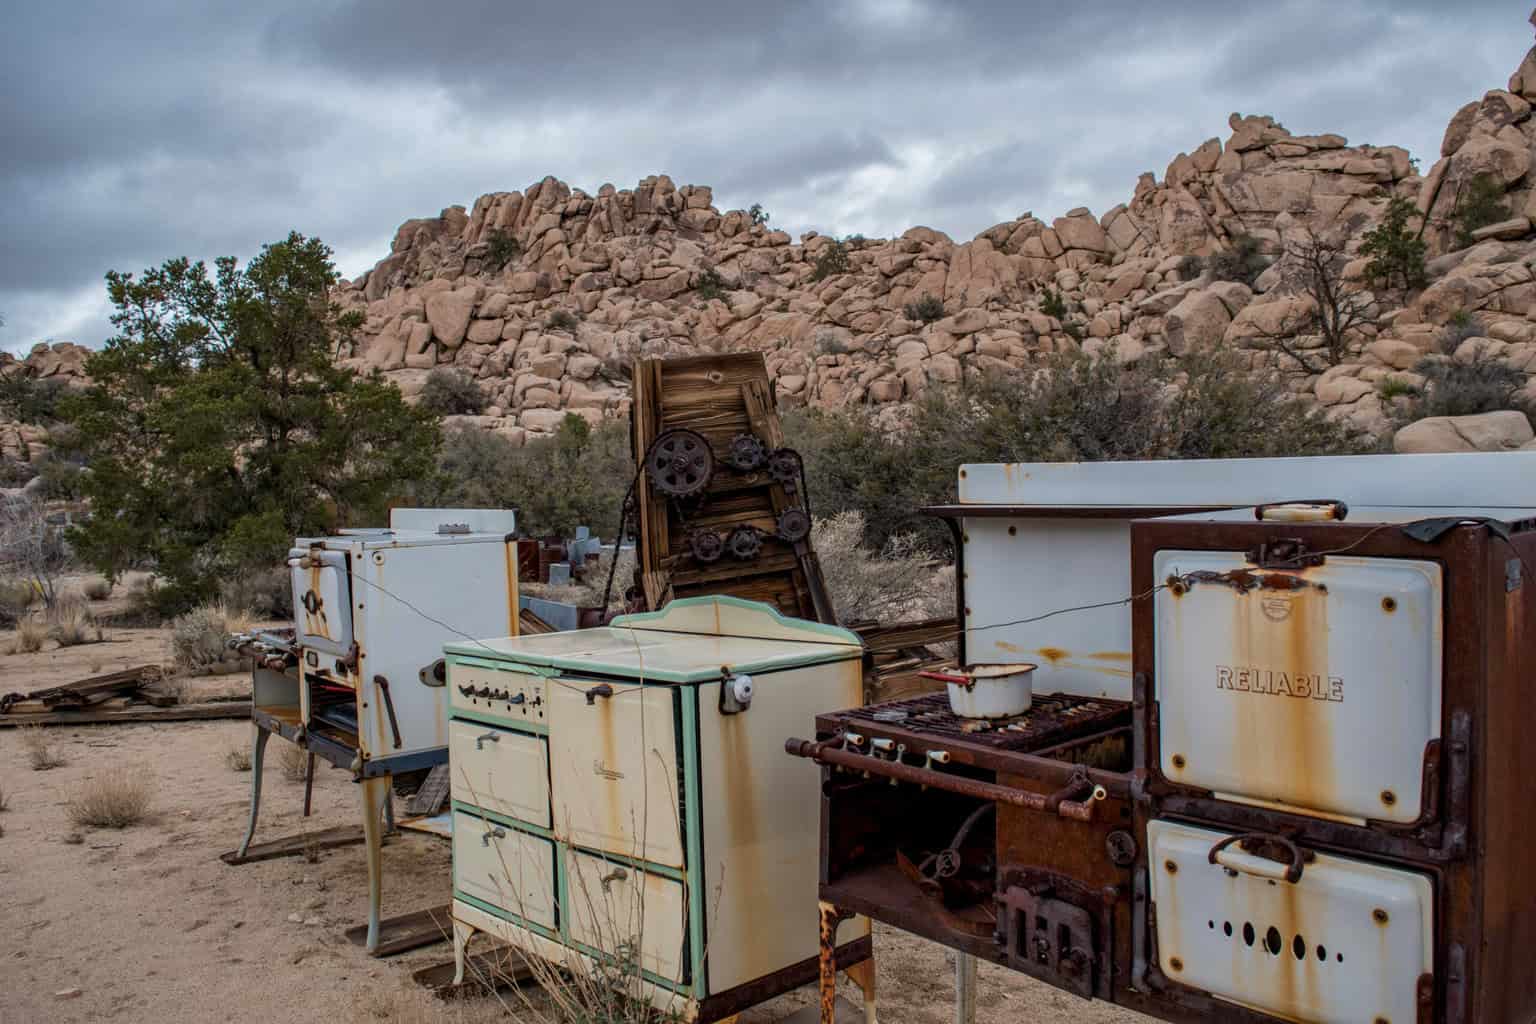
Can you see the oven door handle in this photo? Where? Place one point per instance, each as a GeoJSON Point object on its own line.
{"type": "Point", "coordinates": [1249, 863]}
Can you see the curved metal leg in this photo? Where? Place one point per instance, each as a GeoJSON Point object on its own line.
{"type": "Point", "coordinates": [389, 807]}
{"type": "Point", "coordinates": [309, 783]}
{"type": "Point", "coordinates": [462, 933]}
{"type": "Point", "coordinates": [258, 754]}
{"type": "Point", "coordinates": [375, 792]}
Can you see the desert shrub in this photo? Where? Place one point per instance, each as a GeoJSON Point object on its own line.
{"type": "Point", "coordinates": [832, 261]}
{"type": "Point", "coordinates": [71, 623]}
{"type": "Point", "coordinates": [501, 248]}
{"type": "Point", "coordinates": [5, 799]}
{"type": "Point", "coordinates": [451, 393]}
{"type": "Point", "coordinates": [97, 589]}
{"type": "Point", "coordinates": [561, 320]}
{"type": "Point", "coordinates": [1454, 388]}
{"type": "Point", "coordinates": [115, 799]}
{"type": "Point", "coordinates": [711, 285]}
{"type": "Point", "coordinates": [1396, 254]}
{"type": "Point", "coordinates": [293, 761]}
{"type": "Point", "coordinates": [902, 581]}
{"type": "Point", "coordinates": [32, 548]}
{"type": "Point", "coordinates": [237, 759]}
{"type": "Point", "coordinates": [1242, 261]}
{"type": "Point", "coordinates": [1052, 304]}
{"type": "Point", "coordinates": [1190, 267]}
{"type": "Point", "coordinates": [61, 477]}
{"type": "Point", "coordinates": [30, 400]}
{"type": "Point", "coordinates": [15, 598]}
{"type": "Point", "coordinates": [262, 594]}
{"type": "Point", "coordinates": [829, 343]}
{"type": "Point", "coordinates": [1073, 408]}
{"type": "Point", "coordinates": [1480, 204]}
{"type": "Point", "coordinates": [1461, 326]}
{"type": "Point", "coordinates": [757, 214]}
{"type": "Point", "coordinates": [925, 310]}
{"type": "Point", "coordinates": [197, 638]}
{"type": "Point", "coordinates": [28, 635]}
{"type": "Point", "coordinates": [41, 755]}
{"type": "Point", "coordinates": [480, 469]}
{"type": "Point", "coordinates": [1395, 387]}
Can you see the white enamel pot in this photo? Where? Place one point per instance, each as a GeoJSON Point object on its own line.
{"type": "Point", "coordinates": [989, 691]}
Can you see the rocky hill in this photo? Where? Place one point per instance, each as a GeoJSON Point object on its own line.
{"type": "Point", "coordinates": [547, 295]}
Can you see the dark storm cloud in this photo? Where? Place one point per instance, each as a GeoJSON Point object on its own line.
{"type": "Point", "coordinates": [138, 132]}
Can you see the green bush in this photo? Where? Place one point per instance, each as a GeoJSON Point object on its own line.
{"type": "Point", "coordinates": [1190, 267]}
{"type": "Point", "coordinates": [561, 320]}
{"type": "Point", "coordinates": [758, 214]}
{"type": "Point", "coordinates": [29, 400]}
{"type": "Point", "coordinates": [1052, 304]}
{"type": "Point", "coordinates": [501, 248]}
{"type": "Point", "coordinates": [832, 261]}
{"type": "Point", "coordinates": [451, 393]}
{"type": "Point", "coordinates": [711, 285]}
{"type": "Point", "coordinates": [1395, 387]}
{"type": "Point", "coordinates": [1242, 261]}
{"type": "Point", "coordinates": [925, 310]}
{"type": "Point", "coordinates": [1396, 254]}
{"type": "Point", "coordinates": [1479, 205]}
{"type": "Point", "coordinates": [1454, 388]}
{"type": "Point", "coordinates": [1461, 326]}
{"type": "Point", "coordinates": [1074, 408]}
{"type": "Point", "coordinates": [575, 478]}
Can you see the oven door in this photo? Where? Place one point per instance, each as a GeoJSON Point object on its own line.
{"type": "Point", "coordinates": [322, 600]}
{"type": "Point", "coordinates": [1347, 941]}
{"type": "Point", "coordinates": [1314, 689]}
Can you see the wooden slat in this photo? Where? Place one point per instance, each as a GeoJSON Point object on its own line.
{"type": "Point", "coordinates": [136, 713]}
{"type": "Point", "coordinates": [490, 970]}
{"type": "Point", "coordinates": [429, 799]}
{"type": "Point", "coordinates": [408, 931]}
{"type": "Point", "coordinates": [880, 638]}
{"type": "Point", "coordinates": [293, 846]}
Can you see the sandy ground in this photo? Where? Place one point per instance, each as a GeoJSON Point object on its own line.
{"type": "Point", "coordinates": [150, 926]}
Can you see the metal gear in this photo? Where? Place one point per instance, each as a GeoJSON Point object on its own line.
{"type": "Point", "coordinates": [746, 453]}
{"type": "Point", "coordinates": [794, 525]}
{"type": "Point", "coordinates": [706, 545]}
{"type": "Point", "coordinates": [784, 467]}
{"type": "Point", "coordinates": [680, 463]}
{"type": "Point", "coordinates": [744, 543]}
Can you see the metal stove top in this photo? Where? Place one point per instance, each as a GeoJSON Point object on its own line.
{"type": "Point", "coordinates": [1052, 719]}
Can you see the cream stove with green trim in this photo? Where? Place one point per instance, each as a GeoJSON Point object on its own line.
{"type": "Point", "coordinates": [622, 795]}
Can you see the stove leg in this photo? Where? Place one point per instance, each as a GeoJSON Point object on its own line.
{"type": "Point", "coordinates": [389, 807]}
{"type": "Point", "coordinates": [309, 783]}
{"type": "Point", "coordinates": [258, 754]}
{"type": "Point", "coordinates": [462, 933]}
{"type": "Point", "coordinates": [375, 792]}
{"type": "Point", "coordinates": [863, 975]}
{"type": "Point", "coordinates": [965, 988]}
{"type": "Point", "coordinates": [831, 917]}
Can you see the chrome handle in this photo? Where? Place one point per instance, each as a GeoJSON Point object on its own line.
{"type": "Point", "coordinates": [616, 875]}
{"type": "Point", "coordinates": [480, 740]}
{"type": "Point", "coordinates": [497, 833]}
{"type": "Point", "coordinates": [1252, 856]}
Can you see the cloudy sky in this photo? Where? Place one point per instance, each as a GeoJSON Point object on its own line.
{"type": "Point", "coordinates": [134, 132]}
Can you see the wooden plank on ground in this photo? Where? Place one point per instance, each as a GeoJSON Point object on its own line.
{"type": "Point", "coordinates": [530, 624]}
{"type": "Point", "coordinates": [136, 713]}
{"type": "Point", "coordinates": [491, 970]}
{"type": "Point", "coordinates": [408, 931]}
{"type": "Point", "coordinates": [429, 799]}
{"type": "Point", "coordinates": [293, 846]}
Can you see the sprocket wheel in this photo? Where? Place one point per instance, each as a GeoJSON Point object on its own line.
{"type": "Point", "coordinates": [744, 543]}
{"type": "Point", "coordinates": [707, 546]}
{"type": "Point", "coordinates": [680, 463]}
{"type": "Point", "coordinates": [794, 525]}
{"type": "Point", "coordinates": [784, 467]}
{"type": "Point", "coordinates": [747, 453]}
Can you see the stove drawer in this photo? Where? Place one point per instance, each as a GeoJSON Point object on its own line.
{"type": "Point", "coordinates": [506, 868]}
{"type": "Point", "coordinates": [611, 906]}
{"type": "Point", "coordinates": [1347, 942]}
{"type": "Point", "coordinates": [500, 770]}
{"type": "Point", "coordinates": [1269, 682]}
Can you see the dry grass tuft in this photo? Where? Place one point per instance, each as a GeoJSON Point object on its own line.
{"type": "Point", "coordinates": [901, 583]}
{"type": "Point", "coordinates": [15, 598]}
{"type": "Point", "coordinates": [97, 589]}
{"type": "Point", "coordinates": [40, 753]}
{"type": "Point", "coordinates": [28, 636]}
{"type": "Point", "coordinates": [71, 623]}
{"type": "Point", "coordinates": [293, 760]}
{"type": "Point", "coordinates": [197, 639]}
{"type": "Point", "coordinates": [5, 799]}
{"type": "Point", "coordinates": [114, 800]}
{"type": "Point", "coordinates": [237, 759]}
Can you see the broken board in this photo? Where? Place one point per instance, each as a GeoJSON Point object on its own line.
{"type": "Point", "coordinates": [719, 397]}
{"type": "Point", "coordinates": [293, 846]}
{"type": "Point", "coordinates": [408, 931]}
{"type": "Point", "coordinates": [490, 970]}
{"type": "Point", "coordinates": [133, 713]}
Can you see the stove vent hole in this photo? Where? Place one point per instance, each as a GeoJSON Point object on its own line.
{"type": "Point", "coordinates": [1227, 927]}
{"type": "Point", "coordinates": [1248, 933]}
{"type": "Point", "coordinates": [1274, 941]}
{"type": "Point", "coordinates": [1299, 947]}
{"type": "Point", "coordinates": [1322, 954]}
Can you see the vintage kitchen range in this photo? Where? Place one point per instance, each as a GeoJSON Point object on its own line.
{"type": "Point", "coordinates": [1271, 771]}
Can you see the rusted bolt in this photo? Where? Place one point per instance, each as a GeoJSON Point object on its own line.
{"type": "Point", "coordinates": [1176, 964]}
{"type": "Point", "coordinates": [962, 474]}
{"type": "Point", "coordinates": [1389, 604]}
{"type": "Point", "coordinates": [965, 538]}
{"type": "Point", "coordinates": [967, 612]}
{"type": "Point", "coordinates": [1382, 1020]}
{"type": "Point", "coordinates": [1173, 868]}
{"type": "Point", "coordinates": [1178, 761]}
{"type": "Point", "coordinates": [1388, 797]}
{"type": "Point", "coordinates": [1013, 531]}
{"type": "Point", "coordinates": [1379, 916]}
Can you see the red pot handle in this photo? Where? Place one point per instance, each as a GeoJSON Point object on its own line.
{"type": "Point", "coordinates": [950, 677]}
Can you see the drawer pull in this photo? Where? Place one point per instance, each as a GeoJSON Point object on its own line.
{"type": "Point", "coordinates": [1258, 846]}
{"type": "Point", "coordinates": [616, 875]}
{"type": "Point", "coordinates": [497, 833]}
{"type": "Point", "coordinates": [480, 740]}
